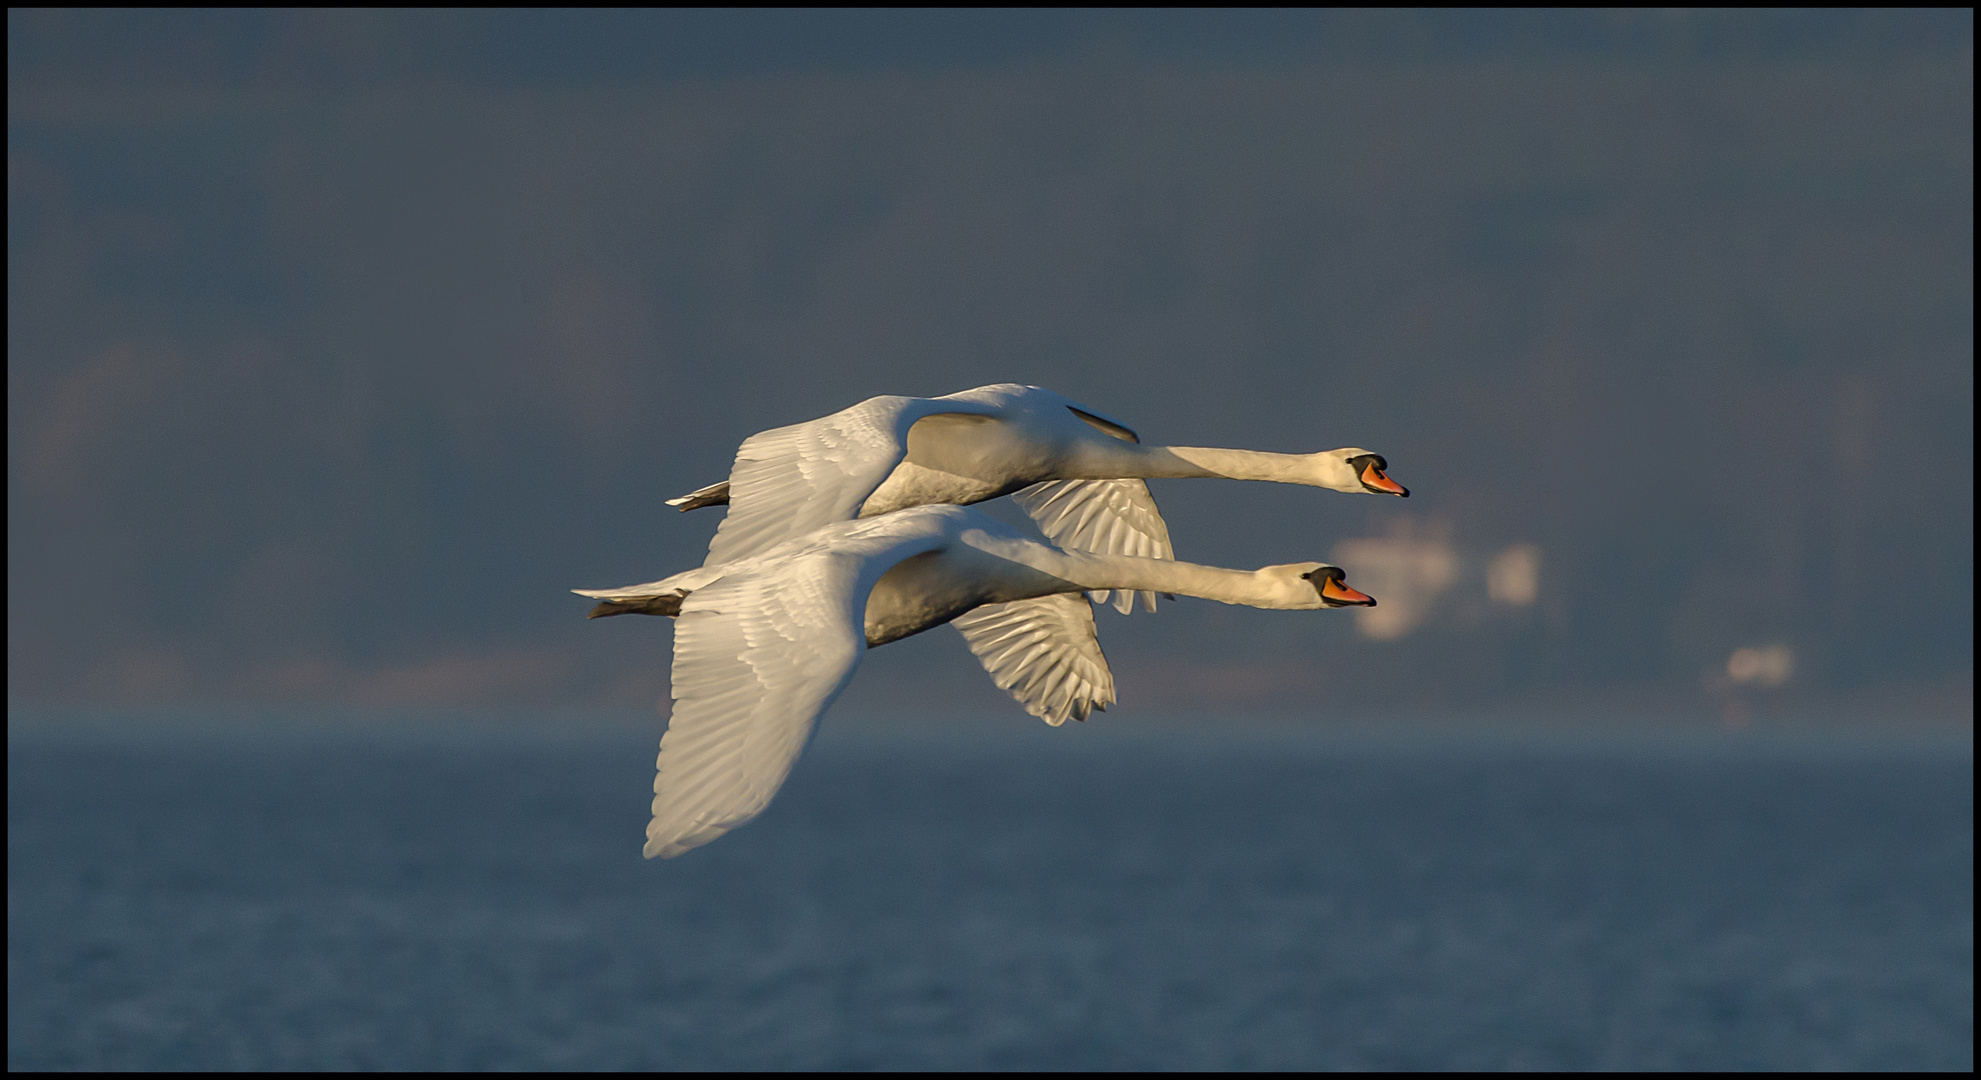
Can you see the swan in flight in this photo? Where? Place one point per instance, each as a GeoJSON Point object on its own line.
{"type": "Point", "coordinates": [1077, 473]}
{"type": "Point", "coordinates": [765, 643]}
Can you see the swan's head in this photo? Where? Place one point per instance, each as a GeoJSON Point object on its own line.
{"type": "Point", "coordinates": [1309, 586]}
{"type": "Point", "coordinates": [1355, 469]}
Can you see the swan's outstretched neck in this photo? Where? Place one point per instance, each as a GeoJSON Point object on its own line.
{"type": "Point", "coordinates": [1251, 588]}
{"type": "Point", "coordinates": [1201, 461]}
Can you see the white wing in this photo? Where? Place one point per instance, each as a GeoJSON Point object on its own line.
{"type": "Point", "coordinates": [790, 480]}
{"type": "Point", "coordinates": [758, 656]}
{"type": "Point", "coordinates": [1043, 651]}
{"type": "Point", "coordinates": [1112, 517]}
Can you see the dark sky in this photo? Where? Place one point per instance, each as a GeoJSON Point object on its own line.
{"type": "Point", "coordinates": [539, 49]}
{"type": "Point", "coordinates": [339, 344]}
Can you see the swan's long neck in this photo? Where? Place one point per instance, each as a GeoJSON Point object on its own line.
{"type": "Point", "coordinates": [1089, 570]}
{"type": "Point", "coordinates": [1240, 464]}
{"type": "Point", "coordinates": [1184, 462]}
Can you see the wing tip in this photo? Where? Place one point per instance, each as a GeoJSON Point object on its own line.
{"type": "Point", "coordinates": [662, 844]}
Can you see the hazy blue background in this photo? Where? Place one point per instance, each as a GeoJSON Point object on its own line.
{"type": "Point", "coordinates": [341, 344]}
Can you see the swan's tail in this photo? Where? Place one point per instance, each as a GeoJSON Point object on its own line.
{"type": "Point", "coordinates": [712, 495]}
{"type": "Point", "coordinates": [661, 597]}
{"type": "Point", "coordinates": [669, 605]}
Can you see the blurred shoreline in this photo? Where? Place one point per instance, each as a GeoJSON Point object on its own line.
{"type": "Point", "coordinates": [1901, 723]}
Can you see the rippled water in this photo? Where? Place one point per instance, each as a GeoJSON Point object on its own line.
{"type": "Point", "coordinates": [462, 901]}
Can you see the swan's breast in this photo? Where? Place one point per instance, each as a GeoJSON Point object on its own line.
{"type": "Point", "coordinates": [914, 596]}
{"type": "Point", "coordinates": [934, 587]}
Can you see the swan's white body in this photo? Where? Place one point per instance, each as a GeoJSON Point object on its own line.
{"type": "Point", "coordinates": [1076, 472]}
{"type": "Point", "coordinates": [765, 643]}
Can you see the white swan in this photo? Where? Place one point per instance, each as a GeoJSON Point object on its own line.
{"type": "Point", "coordinates": [764, 644]}
{"type": "Point", "coordinates": [1076, 472]}
{"type": "Point", "coordinates": [1081, 472]}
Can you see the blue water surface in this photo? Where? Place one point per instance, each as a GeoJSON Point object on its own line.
{"type": "Point", "coordinates": [467, 900]}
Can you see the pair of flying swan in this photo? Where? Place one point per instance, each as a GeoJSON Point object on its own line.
{"type": "Point", "coordinates": [854, 530]}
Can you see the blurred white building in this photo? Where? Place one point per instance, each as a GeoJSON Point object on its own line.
{"type": "Point", "coordinates": [1763, 665]}
{"type": "Point", "coordinates": [1417, 580]}
{"type": "Point", "coordinates": [1514, 576]}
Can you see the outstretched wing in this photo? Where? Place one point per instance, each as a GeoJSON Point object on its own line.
{"type": "Point", "coordinates": [1043, 651]}
{"type": "Point", "coordinates": [758, 656]}
{"type": "Point", "coordinates": [790, 480]}
{"type": "Point", "coordinates": [752, 672]}
{"type": "Point", "coordinates": [1111, 517]}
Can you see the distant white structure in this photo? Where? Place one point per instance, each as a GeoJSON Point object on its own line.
{"type": "Point", "coordinates": [1764, 665]}
{"type": "Point", "coordinates": [1405, 576]}
{"type": "Point", "coordinates": [1514, 576]}
{"type": "Point", "coordinates": [1417, 578]}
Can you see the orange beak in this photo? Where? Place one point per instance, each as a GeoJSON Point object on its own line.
{"type": "Point", "coordinates": [1374, 479]}
{"type": "Point", "coordinates": [1335, 592]}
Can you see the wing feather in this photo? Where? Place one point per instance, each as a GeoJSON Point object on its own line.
{"type": "Point", "coordinates": [789, 481]}
{"type": "Point", "coordinates": [1044, 653]}
{"type": "Point", "coordinates": [760, 651]}
{"type": "Point", "coordinates": [753, 671]}
{"type": "Point", "coordinates": [757, 658]}
{"type": "Point", "coordinates": [1113, 517]}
